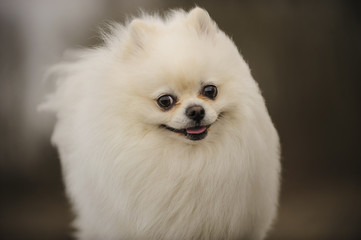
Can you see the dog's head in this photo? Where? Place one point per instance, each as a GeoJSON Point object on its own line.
{"type": "Point", "coordinates": [183, 78]}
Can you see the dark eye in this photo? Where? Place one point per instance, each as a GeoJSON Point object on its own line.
{"type": "Point", "coordinates": [166, 101]}
{"type": "Point", "coordinates": [210, 91]}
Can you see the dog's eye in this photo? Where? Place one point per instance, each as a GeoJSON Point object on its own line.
{"type": "Point", "coordinates": [210, 91]}
{"type": "Point", "coordinates": [166, 101]}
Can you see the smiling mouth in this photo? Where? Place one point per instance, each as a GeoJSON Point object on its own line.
{"type": "Point", "coordinates": [192, 133]}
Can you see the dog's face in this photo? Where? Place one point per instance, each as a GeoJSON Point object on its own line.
{"type": "Point", "coordinates": [195, 116]}
{"type": "Point", "coordinates": [185, 79]}
{"type": "Point", "coordinates": [190, 111]}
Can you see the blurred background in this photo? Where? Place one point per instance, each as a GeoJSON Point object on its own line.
{"type": "Point", "coordinates": [306, 56]}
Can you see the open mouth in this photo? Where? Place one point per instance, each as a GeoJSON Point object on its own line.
{"type": "Point", "coordinates": [192, 133]}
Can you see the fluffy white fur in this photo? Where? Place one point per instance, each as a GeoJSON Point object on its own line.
{"type": "Point", "coordinates": [129, 178]}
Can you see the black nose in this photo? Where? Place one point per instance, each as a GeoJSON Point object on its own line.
{"type": "Point", "coordinates": [195, 112]}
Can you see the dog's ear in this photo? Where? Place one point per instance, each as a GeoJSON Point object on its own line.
{"type": "Point", "coordinates": [201, 21]}
{"type": "Point", "coordinates": [139, 33]}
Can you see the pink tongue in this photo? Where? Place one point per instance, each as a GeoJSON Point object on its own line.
{"type": "Point", "coordinates": [196, 130]}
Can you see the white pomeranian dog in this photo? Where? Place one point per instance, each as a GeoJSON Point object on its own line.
{"type": "Point", "coordinates": [163, 135]}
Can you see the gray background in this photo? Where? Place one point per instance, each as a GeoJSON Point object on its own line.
{"type": "Point", "coordinates": [304, 54]}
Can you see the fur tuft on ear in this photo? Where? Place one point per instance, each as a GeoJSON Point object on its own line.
{"type": "Point", "coordinates": [139, 33]}
{"type": "Point", "coordinates": [201, 21]}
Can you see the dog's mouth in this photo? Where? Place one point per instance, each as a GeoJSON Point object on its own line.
{"type": "Point", "coordinates": [192, 133]}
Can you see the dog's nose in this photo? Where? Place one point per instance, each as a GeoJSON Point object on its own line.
{"type": "Point", "coordinates": [195, 112]}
